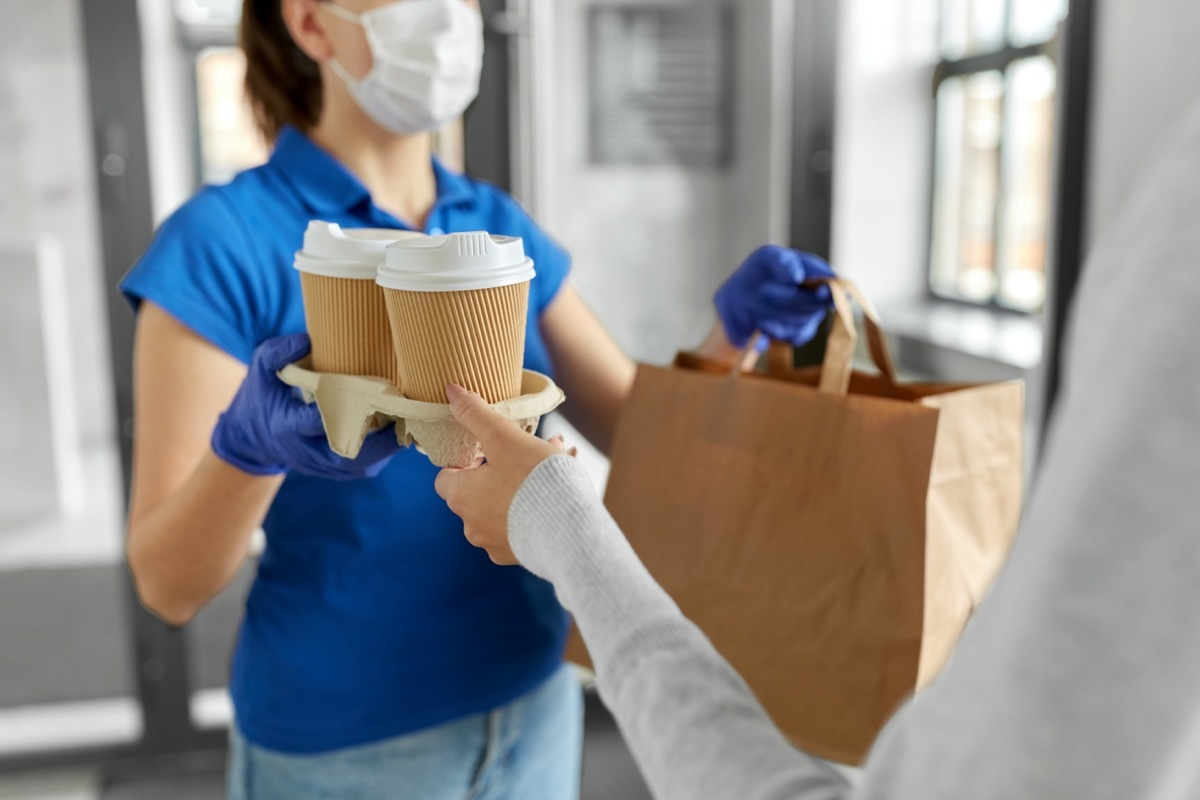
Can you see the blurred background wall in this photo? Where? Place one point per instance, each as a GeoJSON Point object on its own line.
{"type": "Point", "coordinates": [48, 188]}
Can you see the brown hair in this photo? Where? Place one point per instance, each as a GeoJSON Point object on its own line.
{"type": "Point", "coordinates": [282, 83]}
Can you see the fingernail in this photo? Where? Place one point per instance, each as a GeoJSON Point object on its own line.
{"type": "Point", "coordinates": [454, 391]}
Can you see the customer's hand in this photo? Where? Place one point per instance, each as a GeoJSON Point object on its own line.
{"type": "Point", "coordinates": [268, 430]}
{"type": "Point", "coordinates": [482, 494]}
{"type": "Point", "coordinates": [765, 294]}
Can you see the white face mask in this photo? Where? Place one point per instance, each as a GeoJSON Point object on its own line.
{"type": "Point", "coordinates": [427, 56]}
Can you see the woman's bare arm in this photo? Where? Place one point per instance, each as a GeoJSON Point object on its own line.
{"type": "Point", "coordinates": [593, 372]}
{"type": "Point", "coordinates": [191, 514]}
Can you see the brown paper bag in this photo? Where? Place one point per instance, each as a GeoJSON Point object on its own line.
{"type": "Point", "coordinates": [830, 531]}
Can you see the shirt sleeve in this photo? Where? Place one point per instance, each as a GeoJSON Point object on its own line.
{"type": "Point", "coordinates": [197, 269]}
{"type": "Point", "coordinates": [553, 265]}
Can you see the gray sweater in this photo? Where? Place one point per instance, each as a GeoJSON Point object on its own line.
{"type": "Point", "coordinates": [1079, 677]}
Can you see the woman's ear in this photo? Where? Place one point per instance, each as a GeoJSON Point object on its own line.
{"type": "Point", "coordinates": [306, 26]}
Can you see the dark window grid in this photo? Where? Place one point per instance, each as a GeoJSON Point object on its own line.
{"type": "Point", "coordinates": [999, 60]}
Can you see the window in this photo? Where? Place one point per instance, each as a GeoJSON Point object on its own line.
{"type": "Point", "coordinates": [229, 139]}
{"type": "Point", "coordinates": [220, 14]}
{"type": "Point", "coordinates": [995, 102]}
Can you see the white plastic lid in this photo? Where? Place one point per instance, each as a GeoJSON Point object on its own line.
{"type": "Point", "coordinates": [456, 262]}
{"type": "Point", "coordinates": [351, 253]}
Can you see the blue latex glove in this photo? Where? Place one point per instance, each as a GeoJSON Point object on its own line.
{"type": "Point", "coordinates": [764, 294]}
{"type": "Point", "coordinates": [268, 430]}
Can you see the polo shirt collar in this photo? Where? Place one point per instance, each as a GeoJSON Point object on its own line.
{"type": "Point", "coordinates": [326, 186]}
{"type": "Point", "coordinates": [322, 183]}
{"type": "Point", "coordinates": [453, 189]}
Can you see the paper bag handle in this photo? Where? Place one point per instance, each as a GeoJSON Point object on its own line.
{"type": "Point", "coordinates": [843, 339]}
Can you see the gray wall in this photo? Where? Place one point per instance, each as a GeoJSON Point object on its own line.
{"type": "Point", "coordinates": [888, 50]}
{"type": "Point", "coordinates": [1147, 75]}
{"type": "Point", "coordinates": [651, 244]}
{"type": "Point", "coordinates": [46, 183]}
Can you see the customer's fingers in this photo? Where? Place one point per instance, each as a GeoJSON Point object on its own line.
{"type": "Point", "coordinates": [493, 543]}
{"type": "Point", "coordinates": [449, 485]}
{"type": "Point", "coordinates": [491, 429]}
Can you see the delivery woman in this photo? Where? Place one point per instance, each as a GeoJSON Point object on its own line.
{"type": "Point", "coordinates": [380, 655]}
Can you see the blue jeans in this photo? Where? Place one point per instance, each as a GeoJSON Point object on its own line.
{"type": "Point", "coordinates": [530, 749]}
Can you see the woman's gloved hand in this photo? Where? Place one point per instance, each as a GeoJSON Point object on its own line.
{"type": "Point", "coordinates": [268, 430]}
{"type": "Point", "coordinates": [765, 294]}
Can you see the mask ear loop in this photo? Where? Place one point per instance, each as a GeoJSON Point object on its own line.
{"type": "Point", "coordinates": [344, 13]}
{"type": "Point", "coordinates": [342, 73]}
{"type": "Point", "coordinates": [335, 65]}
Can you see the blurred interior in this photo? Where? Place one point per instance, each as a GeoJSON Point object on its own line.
{"type": "Point", "coordinates": [957, 158]}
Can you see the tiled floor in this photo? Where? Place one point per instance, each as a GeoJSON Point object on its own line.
{"type": "Point", "coordinates": [64, 786]}
{"type": "Point", "coordinates": [86, 786]}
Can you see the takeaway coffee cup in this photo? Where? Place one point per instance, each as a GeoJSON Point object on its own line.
{"type": "Point", "coordinates": [343, 306]}
{"type": "Point", "coordinates": [458, 306]}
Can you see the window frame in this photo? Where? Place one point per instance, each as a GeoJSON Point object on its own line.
{"type": "Point", "coordinates": [998, 59]}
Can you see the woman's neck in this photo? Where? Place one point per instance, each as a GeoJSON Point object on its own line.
{"type": "Point", "coordinates": [397, 170]}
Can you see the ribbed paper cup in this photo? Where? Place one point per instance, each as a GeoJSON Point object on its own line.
{"type": "Point", "coordinates": [473, 338]}
{"type": "Point", "coordinates": [347, 321]}
{"type": "Point", "coordinates": [458, 306]}
{"type": "Point", "coordinates": [344, 308]}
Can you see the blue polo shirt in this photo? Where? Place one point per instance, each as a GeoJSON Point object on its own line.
{"type": "Point", "coordinates": [370, 615]}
